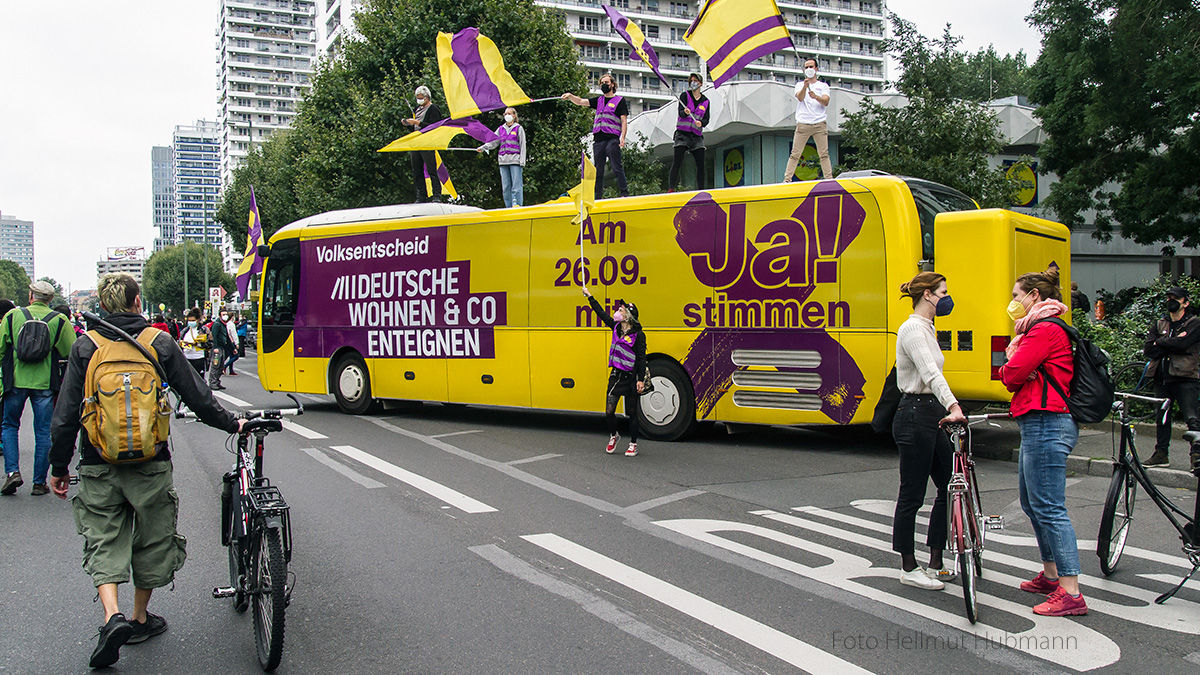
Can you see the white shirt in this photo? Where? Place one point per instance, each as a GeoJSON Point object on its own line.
{"type": "Point", "coordinates": [810, 110]}
{"type": "Point", "coordinates": [919, 361]}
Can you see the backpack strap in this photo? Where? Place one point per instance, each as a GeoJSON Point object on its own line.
{"type": "Point", "coordinates": [1073, 337]}
{"type": "Point", "coordinates": [146, 338]}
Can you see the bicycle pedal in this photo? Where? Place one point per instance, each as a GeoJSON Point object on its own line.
{"type": "Point", "coordinates": [224, 592]}
{"type": "Point", "coordinates": [993, 522]}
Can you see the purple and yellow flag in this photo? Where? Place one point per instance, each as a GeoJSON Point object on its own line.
{"type": "Point", "coordinates": [437, 136]}
{"type": "Point", "coordinates": [443, 175]}
{"type": "Point", "coordinates": [630, 32]}
{"type": "Point", "coordinates": [473, 75]}
{"type": "Point", "coordinates": [729, 34]}
{"type": "Point", "coordinates": [584, 194]}
{"type": "Point", "coordinates": [251, 263]}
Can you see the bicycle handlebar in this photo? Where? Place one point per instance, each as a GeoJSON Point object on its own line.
{"type": "Point", "coordinates": [1139, 397]}
{"type": "Point", "coordinates": [989, 416]}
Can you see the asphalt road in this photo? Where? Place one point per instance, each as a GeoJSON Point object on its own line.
{"type": "Point", "coordinates": [444, 539]}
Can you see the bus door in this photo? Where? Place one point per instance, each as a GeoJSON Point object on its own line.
{"type": "Point", "coordinates": [277, 317]}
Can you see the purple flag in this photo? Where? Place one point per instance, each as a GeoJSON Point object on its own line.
{"type": "Point", "coordinates": [637, 41]}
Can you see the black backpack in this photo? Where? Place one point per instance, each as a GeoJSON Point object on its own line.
{"type": "Point", "coordinates": [1092, 389]}
{"type": "Point", "coordinates": [33, 341]}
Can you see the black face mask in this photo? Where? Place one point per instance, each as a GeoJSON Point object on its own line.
{"type": "Point", "coordinates": [1173, 305]}
{"type": "Point", "coordinates": [606, 88]}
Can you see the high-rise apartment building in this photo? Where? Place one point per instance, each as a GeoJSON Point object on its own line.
{"type": "Point", "coordinates": [16, 242]}
{"type": "Point", "coordinates": [335, 24]}
{"type": "Point", "coordinates": [266, 50]}
{"type": "Point", "coordinates": [196, 150]}
{"type": "Point", "coordinates": [843, 35]}
{"type": "Point", "coordinates": [162, 189]}
{"type": "Point", "coordinates": [128, 259]}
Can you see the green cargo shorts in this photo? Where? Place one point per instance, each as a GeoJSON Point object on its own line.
{"type": "Point", "coordinates": [127, 515]}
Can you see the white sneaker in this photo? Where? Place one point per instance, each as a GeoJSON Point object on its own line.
{"type": "Point", "coordinates": [945, 575]}
{"type": "Point", "coordinates": [919, 578]}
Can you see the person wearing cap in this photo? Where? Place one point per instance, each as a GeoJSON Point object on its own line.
{"type": "Point", "coordinates": [627, 358]}
{"type": "Point", "coordinates": [33, 381]}
{"type": "Point", "coordinates": [1173, 351]}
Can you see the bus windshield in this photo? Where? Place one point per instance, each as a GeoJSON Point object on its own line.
{"type": "Point", "coordinates": [932, 199]}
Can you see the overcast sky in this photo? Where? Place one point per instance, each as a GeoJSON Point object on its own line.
{"type": "Point", "coordinates": [87, 88]}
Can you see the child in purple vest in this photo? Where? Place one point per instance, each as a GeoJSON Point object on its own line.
{"type": "Point", "coordinates": [627, 359]}
{"type": "Point", "coordinates": [510, 137]}
{"type": "Point", "coordinates": [689, 132]}
{"type": "Point", "coordinates": [608, 131]}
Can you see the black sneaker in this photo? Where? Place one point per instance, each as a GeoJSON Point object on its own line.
{"type": "Point", "coordinates": [154, 625]}
{"type": "Point", "coordinates": [1159, 458]}
{"type": "Point", "coordinates": [11, 483]}
{"type": "Point", "coordinates": [112, 635]}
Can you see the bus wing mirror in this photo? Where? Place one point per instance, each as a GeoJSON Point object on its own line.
{"type": "Point", "coordinates": [264, 251]}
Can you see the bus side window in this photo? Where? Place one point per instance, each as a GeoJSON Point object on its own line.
{"type": "Point", "coordinates": [280, 288]}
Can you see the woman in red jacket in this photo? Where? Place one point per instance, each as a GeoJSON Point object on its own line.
{"type": "Point", "coordinates": [1040, 350]}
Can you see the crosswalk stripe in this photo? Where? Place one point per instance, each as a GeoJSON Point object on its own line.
{"type": "Point", "coordinates": [456, 499]}
{"type": "Point", "coordinates": [231, 400]}
{"type": "Point", "coordinates": [302, 431]}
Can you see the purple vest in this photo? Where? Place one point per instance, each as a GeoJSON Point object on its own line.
{"type": "Point", "coordinates": [510, 140]}
{"type": "Point", "coordinates": [620, 355]}
{"type": "Point", "coordinates": [606, 116]}
{"type": "Point", "coordinates": [693, 124]}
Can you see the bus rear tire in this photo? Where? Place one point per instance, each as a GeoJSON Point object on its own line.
{"type": "Point", "coordinates": [352, 385]}
{"type": "Point", "coordinates": [669, 412]}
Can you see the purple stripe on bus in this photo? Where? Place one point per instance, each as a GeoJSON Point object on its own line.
{"type": "Point", "coordinates": [464, 52]}
{"type": "Point", "coordinates": [757, 52]}
{"type": "Point", "coordinates": [739, 38]}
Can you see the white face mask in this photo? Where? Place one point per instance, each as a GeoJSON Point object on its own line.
{"type": "Point", "coordinates": [509, 119]}
{"type": "Point", "coordinates": [224, 317]}
{"type": "Point", "coordinates": [810, 73]}
{"type": "Point", "coordinates": [695, 86]}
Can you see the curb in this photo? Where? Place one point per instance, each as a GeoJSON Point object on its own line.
{"type": "Point", "coordinates": [1103, 467]}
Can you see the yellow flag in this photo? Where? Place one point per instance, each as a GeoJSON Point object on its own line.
{"type": "Point", "coordinates": [584, 194]}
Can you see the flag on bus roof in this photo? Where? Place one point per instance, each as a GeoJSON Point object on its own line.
{"type": "Point", "coordinates": [473, 75]}
{"type": "Point", "coordinates": [584, 194]}
{"type": "Point", "coordinates": [251, 263]}
{"type": "Point", "coordinates": [437, 136]}
{"type": "Point", "coordinates": [729, 34]}
{"type": "Point", "coordinates": [630, 32]}
{"type": "Point", "coordinates": [443, 175]}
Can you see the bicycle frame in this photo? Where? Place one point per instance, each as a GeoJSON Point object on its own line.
{"type": "Point", "coordinates": [257, 498]}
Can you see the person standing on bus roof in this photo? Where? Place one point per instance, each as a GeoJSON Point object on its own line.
{"type": "Point", "coordinates": [608, 130]}
{"type": "Point", "coordinates": [1041, 350]}
{"type": "Point", "coordinates": [627, 357]}
{"type": "Point", "coordinates": [812, 100]}
{"type": "Point", "coordinates": [423, 161]}
{"type": "Point", "coordinates": [689, 131]}
{"type": "Point", "coordinates": [510, 137]}
{"type": "Point", "coordinates": [925, 452]}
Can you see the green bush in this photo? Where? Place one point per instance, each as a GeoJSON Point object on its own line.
{"type": "Point", "coordinates": [1122, 332]}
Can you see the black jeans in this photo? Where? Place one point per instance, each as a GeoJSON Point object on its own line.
{"type": "Point", "coordinates": [1185, 394]}
{"type": "Point", "coordinates": [925, 453]}
{"type": "Point", "coordinates": [621, 383]}
{"type": "Point", "coordinates": [421, 162]}
{"type": "Point", "coordinates": [677, 164]}
{"type": "Point", "coordinates": [610, 150]}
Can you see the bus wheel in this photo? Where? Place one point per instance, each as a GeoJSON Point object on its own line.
{"type": "Point", "coordinates": [352, 385]}
{"type": "Point", "coordinates": [669, 412]}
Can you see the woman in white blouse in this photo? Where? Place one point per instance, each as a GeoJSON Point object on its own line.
{"type": "Point", "coordinates": [925, 452]}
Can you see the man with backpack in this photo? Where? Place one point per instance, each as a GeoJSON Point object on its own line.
{"type": "Point", "coordinates": [32, 340]}
{"type": "Point", "coordinates": [127, 507]}
{"type": "Point", "coordinates": [1173, 351]}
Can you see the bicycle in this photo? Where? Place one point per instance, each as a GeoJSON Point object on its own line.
{"type": "Point", "coordinates": [1128, 472]}
{"type": "Point", "coordinates": [967, 524]}
{"type": "Point", "coordinates": [256, 528]}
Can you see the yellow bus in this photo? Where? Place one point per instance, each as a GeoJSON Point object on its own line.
{"type": "Point", "coordinates": [772, 304]}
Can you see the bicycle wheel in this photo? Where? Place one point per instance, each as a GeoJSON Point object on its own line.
{"type": "Point", "coordinates": [967, 568]}
{"type": "Point", "coordinates": [270, 597]}
{"type": "Point", "coordinates": [1116, 519]}
{"type": "Point", "coordinates": [237, 570]}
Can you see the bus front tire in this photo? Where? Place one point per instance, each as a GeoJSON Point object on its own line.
{"type": "Point", "coordinates": [352, 385]}
{"type": "Point", "coordinates": [669, 412]}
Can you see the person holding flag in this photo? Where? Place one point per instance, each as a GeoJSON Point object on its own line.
{"type": "Point", "coordinates": [510, 137]}
{"type": "Point", "coordinates": [423, 162]}
{"type": "Point", "coordinates": [689, 131]}
{"type": "Point", "coordinates": [608, 130]}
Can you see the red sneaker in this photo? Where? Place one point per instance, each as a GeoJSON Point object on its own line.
{"type": "Point", "coordinates": [1061, 603]}
{"type": "Point", "coordinates": [612, 443]}
{"type": "Point", "coordinates": [1040, 584]}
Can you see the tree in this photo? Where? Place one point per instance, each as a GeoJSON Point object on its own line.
{"type": "Point", "coordinates": [329, 159]}
{"type": "Point", "coordinates": [937, 68]}
{"type": "Point", "coordinates": [942, 134]}
{"type": "Point", "coordinates": [1116, 81]}
{"type": "Point", "coordinates": [14, 282]}
{"type": "Point", "coordinates": [59, 298]}
{"type": "Point", "coordinates": [162, 280]}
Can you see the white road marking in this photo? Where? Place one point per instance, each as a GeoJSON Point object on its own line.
{"type": "Point", "coordinates": [774, 642]}
{"type": "Point", "coordinates": [369, 483]}
{"type": "Point", "coordinates": [431, 488]}
{"type": "Point", "coordinates": [302, 431]}
{"type": "Point", "coordinates": [602, 609]}
{"type": "Point", "coordinates": [457, 433]}
{"type": "Point", "coordinates": [654, 503]}
{"type": "Point", "coordinates": [231, 400]}
{"type": "Point", "coordinates": [549, 455]}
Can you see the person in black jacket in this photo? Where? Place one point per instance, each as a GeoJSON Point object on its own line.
{"type": "Point", "coordinates": [689, 132]}
{"type": "Point", "coordinates": [627, 357]}
{"type": "Point", "coordinates": [222, 348]}
{"type": "Point", "coordinates": [426, 113]}
{"type": "Point", "coordinates": [1173, 349]}
{"type": "Point", "coordinates": [127, 513]}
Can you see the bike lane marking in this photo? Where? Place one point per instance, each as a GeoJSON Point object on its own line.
{"type": "Point", "coordinates": [1051, 638]}
{"type": "Point", "coordinates": [231, 400]}
{"type": "Point", "coordinates": [369, 483]}
{"type": "Point", "coordinates": [548, 455]}
{"type": "Point", "coordinates": [458, 433]}
{"type": "Point", "coordinates": [452, 497]}
{"type": "Point", "coordinates": [302, 431]}
{"type": "Point", "coordinates": [774, 642]}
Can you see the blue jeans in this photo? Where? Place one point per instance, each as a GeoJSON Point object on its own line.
{"type": "Point", "coordinates": [1046, 440]}
{"type": "Point", "coordinates": [511, 186]}
{"type": "Point", "coordinates": [43, 408]}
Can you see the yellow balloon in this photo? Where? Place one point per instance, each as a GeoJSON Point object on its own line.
{"type": "Point", "coordinates": [162, 306]}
